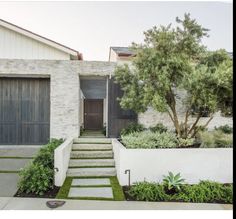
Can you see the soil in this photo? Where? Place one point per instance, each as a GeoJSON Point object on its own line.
{"type": "Point", "coordinates": [127, 196]}
{"type": "Point", "coordinates": [49, 194]}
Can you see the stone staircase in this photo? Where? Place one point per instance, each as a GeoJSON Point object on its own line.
{"type": "Point", "coordinates": [91, 157]}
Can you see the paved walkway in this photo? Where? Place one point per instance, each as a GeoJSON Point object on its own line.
{"type": "Point", "coordinates": [12, 159]}
{"type": "Point", "coordinates": [40, 204]}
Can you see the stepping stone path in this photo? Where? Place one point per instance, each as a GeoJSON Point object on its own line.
{"type": "Point", "coordinates": [79, 188]}
{"type": "Point", "coordinates": [91, 157]}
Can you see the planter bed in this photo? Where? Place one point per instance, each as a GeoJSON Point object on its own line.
{"type": "Point", "coordinates": [218, 197]}
{"type": "Point", "coordinates": [49, 194]}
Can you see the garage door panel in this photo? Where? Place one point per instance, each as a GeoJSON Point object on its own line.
{"type": "Point", "coordinates": [8, 133]}
{"type": "Point", "coordinates": [24, 111]}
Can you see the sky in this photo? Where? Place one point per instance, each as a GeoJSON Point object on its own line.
{"type": "Point", "coordinates": [92, 27]}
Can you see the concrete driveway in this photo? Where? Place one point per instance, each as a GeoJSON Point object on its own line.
{"type": "Point", "coordinates": [12, 159]}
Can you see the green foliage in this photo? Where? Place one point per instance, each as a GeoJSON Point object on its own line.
{"type": "Point", "coordinates": [148, 140]}
{"type": "Point", "coordinates": [215, 139]}
{"type": "Point", "coordinates": [159, 127]}
{"type": "Point", "coordinates": [45, 156]}
{"type": "Point", "coordinates": [37, 177]}
{"type": "Point", "coordinates": [171, 59]}
{"type": "Point", "coordinates": [183, 142]}
{"type": "Point", "coordinates": [132, 127]}
{"type": "Point", "coordinates": [173, 181]}
{"type": "Point", "coordinates": [144, 191]}
{"type": "Point", "coordinates": [204, 192]}
{"type": "Point", "coordinates": [225, 128]}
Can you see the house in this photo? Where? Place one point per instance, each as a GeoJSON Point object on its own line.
{"type": "Point", "coordinates": [48, 91]}
{"type": "Point", "coordinates": [120, 54]}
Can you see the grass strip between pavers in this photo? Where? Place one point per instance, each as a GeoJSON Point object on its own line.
{"type": "Point", "coordinates": [86, 142]}
{"type": "Point", "coordinates": [117, 191]}
{"type": "Point", "coordinates": [64, 190]}
{"type": "Point", "coordinates": [91, 150]}
{"type": "Point", "coordinates": [90, 186]}
{"type": "Point", "coordinates": [73, 167]}
{"type": "Point", "coordinates": [10, 157]}
{"type": "Point", "coordinates": [9, 171]}
{"type": "Point", "coordinates": [88, 158]}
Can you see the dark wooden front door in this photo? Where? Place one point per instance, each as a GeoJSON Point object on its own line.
{"type": "Point", "coordinates": [24, 111]}
{"type": "Point", "coordinates": [93, 114]}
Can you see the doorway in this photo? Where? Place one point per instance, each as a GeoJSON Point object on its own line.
{"type": "Point", "coordinates": [93, 114]}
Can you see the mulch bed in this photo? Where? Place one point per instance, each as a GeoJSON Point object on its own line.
{"type": "Point", "coordinates": [50, 194]}
{"type": "Point", "coordinates": [127, 196]}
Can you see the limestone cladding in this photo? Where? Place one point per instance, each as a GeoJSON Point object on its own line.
{"type": "Point", "coordinates": [64, 87]}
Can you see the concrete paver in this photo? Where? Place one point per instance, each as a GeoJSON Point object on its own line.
{"type": "Point", "coordinates": [86, 182]}
{"type": "Point", "coordinates": [8, 184]}
{"type": "Point", "coordinates": [18, 151]}
{"type": "Point", "coordinates": [8, 181]}
{"type": "Point", "coordinates": [13, 164]}
{"type": "Point", "coordinates": [99, 192]}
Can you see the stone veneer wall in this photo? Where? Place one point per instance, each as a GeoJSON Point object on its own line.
{"type": "Point", "coordinates": [152, 117]}
{"type": "Point", "coordinates": [64, 87]}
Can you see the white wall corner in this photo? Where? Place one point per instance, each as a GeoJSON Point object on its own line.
{"type": "Point", "coordinates": [61, 161]}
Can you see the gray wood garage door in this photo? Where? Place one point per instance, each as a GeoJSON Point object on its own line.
{"type": "Point", "coordinates": [24, 111]}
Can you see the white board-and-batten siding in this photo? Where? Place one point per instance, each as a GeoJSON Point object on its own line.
{"type": "Point", "coordinates": [14, 45]}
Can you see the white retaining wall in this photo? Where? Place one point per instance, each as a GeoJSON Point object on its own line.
{"type": "Point", "coordinates": [194, 164]}
{"type": "Point", "coordinates": [61, 161]}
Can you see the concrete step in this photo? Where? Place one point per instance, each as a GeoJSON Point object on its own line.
{"type": "Point", "coordinates": [91, 162]}
{"type": "Point", "coordinates": [92, 147]}
{"type": "Point", "coordinates": [106, 171]}
{"type": "Point", "coordinates": [92, 140]}
{"type": "Point", "coordinates": [91, 154]}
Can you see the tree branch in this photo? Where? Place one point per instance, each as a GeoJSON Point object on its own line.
{"type": "Point", "coordinates": [204, 126]}
{"type": "Point", "coordinates": [194, 124]}
{"type": "Point", "coordinates": [170, 116]}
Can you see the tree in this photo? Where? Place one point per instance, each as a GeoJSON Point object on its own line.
{"type": "Point", "coordinates": [171, 59]}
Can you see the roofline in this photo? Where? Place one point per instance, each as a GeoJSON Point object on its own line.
{"type": "Point", "coordinates": [40, 38]}
{"type": "Point", "coordinates": [120, 54]}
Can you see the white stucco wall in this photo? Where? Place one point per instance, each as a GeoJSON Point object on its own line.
{"type": "Point", "coordinates": [61, 161]}
{"type": "Point", "coordinates": [17, 46]}
{"type": "Point", "coordinates": [214, 164]}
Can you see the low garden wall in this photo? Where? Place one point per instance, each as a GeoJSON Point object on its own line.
{"type": "Point", "coordinates": [61, 161]}
{"type": "Point", "coordinates": [194, 164]}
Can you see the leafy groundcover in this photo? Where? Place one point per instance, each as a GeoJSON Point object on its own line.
{"type": "Point", "coordinates": [204, 192]}
{"type": "Point", "coordinates": [37, 178]}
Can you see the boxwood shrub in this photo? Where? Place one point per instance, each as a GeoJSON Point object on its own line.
{"type": "Point", "coordinates": [37, 177]}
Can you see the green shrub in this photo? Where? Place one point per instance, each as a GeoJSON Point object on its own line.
{"type": "Point", "coordinates": [132, 127]}
{"type": "Point", "coordinates": [207, 139]}
{"type": "Point", "coordinates": [204, 192]}
{"type": "Point", "coordinates": [37, 177]}
{"type": "Point", "coordinates": [222, 139]}
{"type": "Point", "coordinates": [215, 139]}
{"type": "Point", "coordinates": [225, 129]}
{"type": "Point", "coordinates": [144, 191]}
{"type": "Point", "coordinates": [185, 142]}
{"type": "Point", "coordinates": [45, 156]}
{"type": "Point", "coordinates": [159, 127]}
{"type": "Point", "coordinates": [148, 139]}
{"type": "Point", "coordinates": [173, 181]}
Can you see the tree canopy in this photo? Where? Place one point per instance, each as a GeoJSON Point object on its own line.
{"type": "Point", "coordinates": [173, 58]}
